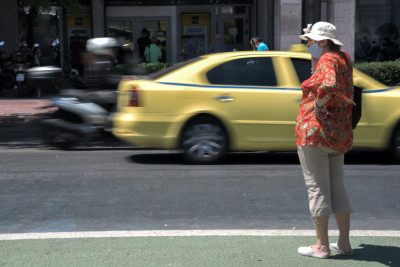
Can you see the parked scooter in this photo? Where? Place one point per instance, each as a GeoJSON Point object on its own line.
{"type": "Point", "coordinates": [7, 76]}
{"type": "Point", "coordinates": [55, 52]}
{"type": "Point", "coordinates": [44, 79]}
{"type": "Point", "coordinates": [77, 80]}
{"type": "Point", "coordinates": [82, 116]}
{"type": "Point", "coordinates": [35, 54]}
{"type": "Point", "coordinates": [21, 61]}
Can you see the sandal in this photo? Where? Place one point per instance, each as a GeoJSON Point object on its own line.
{"type": "Point", "coordinates": [308, 251]}
{"type": "Point", "coordinates": [335, 247]}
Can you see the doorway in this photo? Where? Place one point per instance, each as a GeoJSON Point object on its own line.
{"type": "Point", "coordinates": [128, 30]}
{"type": "Point", "coordinates": [233, 23]}
{"type": "Point", "coordinates": [160, 28]}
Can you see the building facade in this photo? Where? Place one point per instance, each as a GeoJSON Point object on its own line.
{"type": "Point", "coordinates": [367, 28]}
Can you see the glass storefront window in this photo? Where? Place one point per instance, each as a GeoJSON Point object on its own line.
{"type": "Point", "coordinates": [233, 9]}
{"type": "Point", "coordinates": [158, 28]}
{"type": "Point", "coordinates": [377, 30]}
{"type": "Point", "coordinates": [233, 33]}
{"type": "Point", "coordinates": [38, 26]}
{"type": "Point", "coordinates": [122, 31]}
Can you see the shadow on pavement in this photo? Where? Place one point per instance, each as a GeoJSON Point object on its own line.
{"type": "Point", "coordinates": [270, 158]}
{"type": "Point", "coordinates": [24, 132]}
{"type": "Point", "coordinates": [386, 255]}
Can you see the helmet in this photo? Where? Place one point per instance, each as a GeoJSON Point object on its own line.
{"type": "Point", "coordinates": [100, 46]}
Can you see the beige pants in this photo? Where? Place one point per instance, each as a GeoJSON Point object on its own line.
{"type": "Point", "coordinates": [323, 175]}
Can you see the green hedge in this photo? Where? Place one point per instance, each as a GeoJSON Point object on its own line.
{"type": "Point", "coordinates": [387, 72]}
{"type": "Point", "coordinates": [139, 69]}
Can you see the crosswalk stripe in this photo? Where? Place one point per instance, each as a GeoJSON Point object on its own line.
{"type": "Point", "coordinates": [177, 233]}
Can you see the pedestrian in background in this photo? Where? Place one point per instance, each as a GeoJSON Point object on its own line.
{"type": "Point", "coordinates": [217, 46]}
{"type": "Point", "coordinates": [258, 44]}
{"type": "Point", "coordinates": [153, 53]}
{"type": "Point", "coordinates": [189, 48]}
{"type": "Point", "coordinates": [323, 134]}
{"type": "Point", "coordinates": [142, 43]}
{"type": "Point", "coordinates": [76, 49]}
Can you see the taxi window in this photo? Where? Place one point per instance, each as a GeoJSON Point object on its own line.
{"type": "Point", "coordinates": [303, 68]}
{"type": "Point", "coordinates": [252, 71]}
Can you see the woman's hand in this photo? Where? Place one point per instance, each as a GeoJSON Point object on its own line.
{"type": "Point", "coordinates": [321, 112]}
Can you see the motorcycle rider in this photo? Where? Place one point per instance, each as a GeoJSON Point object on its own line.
{"type": "Point", "coordinates": [98, 60]}
{"type": "Point", "coordinates": [92, 118]}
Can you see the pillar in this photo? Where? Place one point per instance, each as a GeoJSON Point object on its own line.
{"type": "Point", "coordinates": [287, 23]}
{"type": "Point", "coordinates": [98, 18]}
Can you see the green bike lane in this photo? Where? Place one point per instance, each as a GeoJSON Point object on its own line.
{"type": "Point", "coordinates": [191, 248]}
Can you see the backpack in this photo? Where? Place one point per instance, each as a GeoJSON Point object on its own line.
{"type": "Point", "coordinates": [357, 110]}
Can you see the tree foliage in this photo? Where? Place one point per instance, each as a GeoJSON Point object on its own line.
{"type": "Point", "coordinates": [73, 5]}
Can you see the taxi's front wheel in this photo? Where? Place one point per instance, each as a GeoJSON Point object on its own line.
{"type": "Point", "coordinates": [204, 141]}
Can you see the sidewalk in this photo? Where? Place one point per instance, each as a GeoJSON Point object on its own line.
{"type": "Point", "coordinates": [20, 118]}
{"type": "Point", "coordinates": [24, 107]}
{"type": "Point", "coordinates": [11, 106]}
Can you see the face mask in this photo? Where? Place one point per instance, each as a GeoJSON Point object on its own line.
{"type": "Point", "coordinates": [315, 50]}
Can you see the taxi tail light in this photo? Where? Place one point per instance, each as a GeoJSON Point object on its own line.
{"type": "Point", "coordinates": [134, 100]}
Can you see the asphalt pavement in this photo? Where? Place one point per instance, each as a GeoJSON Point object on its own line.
{"type": "Point", "coordinates": [130, 213]}
{"type": "Point", "coordinates": [19, 118]}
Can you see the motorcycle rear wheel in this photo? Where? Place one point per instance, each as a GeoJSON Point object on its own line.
{"type": "Point", "coordinates": [8, 80]}
{"type": "Point", "coordinates": [62, 140]}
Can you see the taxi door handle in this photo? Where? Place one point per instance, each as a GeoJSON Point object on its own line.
{"type": "Point", "coordinates": [224, 98]}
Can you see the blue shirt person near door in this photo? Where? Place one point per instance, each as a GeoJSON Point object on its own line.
{"type": "Point", "coordinates": [258, 44]}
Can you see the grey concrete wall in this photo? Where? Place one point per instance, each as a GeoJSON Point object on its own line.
{"type": "Point", "coordinates": [342, 14]}
{"type": "Point", "coordinates": [287, 23]}
{"type": "Point", "coordinates": [9, 31]}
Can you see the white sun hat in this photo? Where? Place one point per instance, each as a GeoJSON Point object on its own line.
{"type": "Point", "coordinates": [321, 31]}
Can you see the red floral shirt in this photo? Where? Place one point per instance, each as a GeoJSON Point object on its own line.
{"type": "Point", "coordinates": [333, 71]}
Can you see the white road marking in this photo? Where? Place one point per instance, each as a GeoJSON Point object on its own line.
{"type": "Point", "coordinates": [178, 233]}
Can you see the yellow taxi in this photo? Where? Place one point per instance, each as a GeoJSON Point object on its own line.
{"type": "Point", "coordinates": [239, 101]}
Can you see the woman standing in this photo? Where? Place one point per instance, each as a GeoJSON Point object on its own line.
{"type": "Point", "coordinates": [324, 134]}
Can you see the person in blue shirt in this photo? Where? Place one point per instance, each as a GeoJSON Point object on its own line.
{"type": "Point", "coordinates": [258, 44]}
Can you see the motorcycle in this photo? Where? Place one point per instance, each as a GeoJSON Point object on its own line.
{"type": "Point", "coordinates": [43, 79]}
{"type": "Point", "coordinates": [82, 116]}
{"type": "Point", "coordinates": [77, 80]}
{"type": "Point", "coordinates": [35, 54]}
{"type": "Point", "coordinates": [55, 52]}
{"type": "Point", "coordinates": [21, 61]}
{"type": "Point", "coordinates": [7, 76]}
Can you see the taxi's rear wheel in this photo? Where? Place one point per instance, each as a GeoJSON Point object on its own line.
{"type": "Point", "coordinates": [204, 141]}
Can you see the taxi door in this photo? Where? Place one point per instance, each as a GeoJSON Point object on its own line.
{"type": "Point", "coordinates": [259, 103]}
